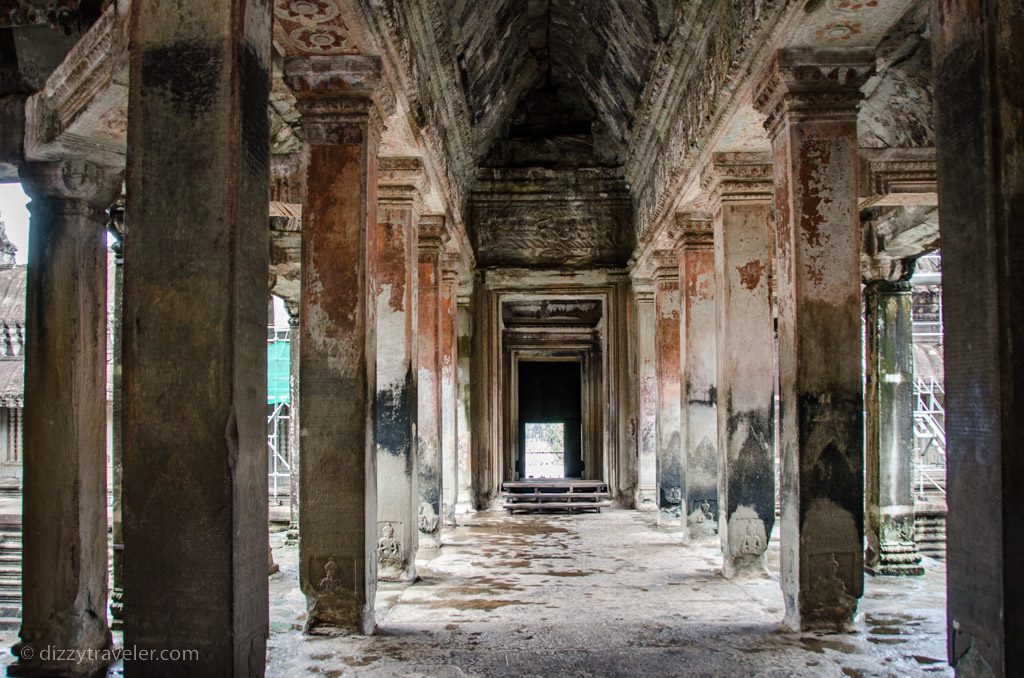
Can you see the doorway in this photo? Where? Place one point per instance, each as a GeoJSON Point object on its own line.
{"type": "Point", "coordinates": [550, 420]}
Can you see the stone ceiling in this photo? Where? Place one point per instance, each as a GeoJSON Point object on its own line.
{"type": "Point", "coordinates": [595, 54]}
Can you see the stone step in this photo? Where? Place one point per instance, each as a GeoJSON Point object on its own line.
{"type": "Point", "coordinates": [542, 506]}
{"type": "Point", "coordinates": [930, 533]}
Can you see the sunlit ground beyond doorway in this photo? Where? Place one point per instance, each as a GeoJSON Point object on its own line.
{"type": "Point", "coordinates": [545, 450]}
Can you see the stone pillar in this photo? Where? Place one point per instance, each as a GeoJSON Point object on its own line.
{"type": "Point", "coordinates": [294, 423]}
{"type": "Point", "coordinates": [742, 196]}
{"type": "Point", "coordinates": [449, 387]}
{"type": "Point", "coordinates": [64, 514]}
{"type": "Point", "coordinates": [669, 458]}
{"type": "Point", "coordinates": [644, 426]}
{"type": "Point", "coordinates": [699, 419]}
{"type": "Point", "coordinates": [811, 100]}
{"type": "Point", "coordinates": [116, 213]}
{"type": "Point", "coordinates": [342, 113]}
{"type": "Point", "coordinates": [398, 499]}
{"type": "Point", "coordinates": [464, 328]}
{"type": "Point", "coordinates": [889, 428]}
{"type": "Point", "coordinates": [195, 323]}
{"type": "Point", "coordinates": [979, 77]}
{"type": "Point", "coordinates": [432, 231]}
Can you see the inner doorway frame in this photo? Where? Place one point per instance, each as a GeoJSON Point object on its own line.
{"type": "Point", "coordinates": [590, 407]}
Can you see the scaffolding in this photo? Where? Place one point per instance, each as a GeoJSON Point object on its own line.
{"type": "Point", "coordinates": [278, 414]}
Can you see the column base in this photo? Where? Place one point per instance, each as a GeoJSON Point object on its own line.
{"type": "Point", "coordinates": [897, 560]}
{"type": "Point", "coordinates": [670, 516]}
{"type": "Point", "coordinates": [338, 617]}
{"type": "Point", "coordinates": [745, 568]}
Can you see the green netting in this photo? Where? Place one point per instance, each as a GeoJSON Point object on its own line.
{"type": "Point", "coordinates": [278, 362]}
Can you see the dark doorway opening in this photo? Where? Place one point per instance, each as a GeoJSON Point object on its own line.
{"type": "Point", "coordinates": [551, 393]}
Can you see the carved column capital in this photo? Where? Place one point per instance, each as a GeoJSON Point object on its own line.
{"type": "Point", "coordinates": [432, 235]}
{"type": "Point", "coordinates": [75, 185]}
{"type": "Point", "coordinates": [400, 181]}
{"type": "Point", "coordinates": [812, 83]}
{"type": "Point", "coordinates": [665, 266]}
{"type": "Point", "coordinates": [739, 177]}
{"type": "Point", "coordinates": [339, 97]}
{"type": "Point", "coordinates": [696, 231]}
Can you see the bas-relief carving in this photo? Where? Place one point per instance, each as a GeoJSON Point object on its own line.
{"type": "Point", "coordinates": [428, 519]}
{"type": "Point", "coordinates": [389, 549]}
{"type": "Point", "coordinates": [703, 517]}
{"type": "Point", "coordinates": [747, 537]}
{"type": "Point", "coordinates": [312, 27]}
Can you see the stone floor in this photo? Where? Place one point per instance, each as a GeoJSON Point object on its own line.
{"type": "Point", "coordinates": [601, 595]}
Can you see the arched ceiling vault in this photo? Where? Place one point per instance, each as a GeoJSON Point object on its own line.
{"type": "Point", "coordinates": [594, 55]}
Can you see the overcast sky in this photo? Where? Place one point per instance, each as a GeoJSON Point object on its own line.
{"type": "Point", "coordinates": [15, 215]}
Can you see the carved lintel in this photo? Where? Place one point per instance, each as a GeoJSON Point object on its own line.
{"type": "Point", "coordinates": [82, 109]}
{"type": "Point", "coordinates": [803, 83]}
{"type": "Point", "coordinates": [739, 176]}
{"type": "Point", "coordinates": [898, 178]}
{"type": "Point", "coordinates": [339, 96]}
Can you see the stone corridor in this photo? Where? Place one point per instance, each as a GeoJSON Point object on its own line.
{"type": "Point", "coordinates": [605, 594]}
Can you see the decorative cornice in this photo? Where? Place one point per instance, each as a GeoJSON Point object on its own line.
{"type": "Point", "coordinates": [803, 83]}
{"type": "Point", "coordinates": [336, 93]}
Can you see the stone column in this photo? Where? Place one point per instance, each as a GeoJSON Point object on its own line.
{"type": "Point", "coordinates": [741, 191]}
{"type": "Point", "coordinates": [889, 428]}
{"type": "Point", "coordinates": [294, 423]}
{"type": "Point", "coordinates": [64, 514]}
{"type": "Point", "coordinates": [644, 426]}
{"type": "Point", "coordinates": [342, 113]}
{"type": "Point", "coordinates": [979, 77]}
{"type": "Point", "coordinates": [811, 103]}
{"type": "Point", "coordinates": [449, 387]}
{"type": "Point", "coordinates": [400, 180]}
{"type": "Point", "coordinates": [669, 459]}
{"type": "Point", "coordinates": [432, 231]}
{"type": "Point", "coordinates": [464, 328]}
{"type": "Point", "coordinates": [116, 213]}
{"type": "Point", "coordinates": [195, 323]}
{"type": "Point", "coordinates": [699, 419]}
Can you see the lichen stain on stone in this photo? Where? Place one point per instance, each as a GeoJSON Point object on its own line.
{"type": "Point", "coordinates": [751, 273]}
{"type": "Point", "coordinates": [185, 74]}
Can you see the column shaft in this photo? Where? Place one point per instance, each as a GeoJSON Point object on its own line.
{"type": "Point", "coordinates": [811, 103]}
{"type": "Point", "coordinates": [979, 77]}
{"type": "Point", "coordinates": [429, 370]}
{"type": "Point", "coordinates": [449, 395]}
{"type": "Point", "coordinates": [116, 407]}
{"type": "Point", "coordinates": [889, 403]}
{"type": "Point", "coordinates": [64, 597]}
{"type": "Point", "coordinates": [341, 117]}
{"type": "Point", "coordinates": [645, 424]}
{"type": "Point", "coordinates": [699, 421]}
{"type": "Point", "coordinates": [669, 460]}
{"type": "Point", "coordinates": [195, 305]}
{"type": "Point", "coordinates": [464, 322]}
{"type": "Point", "coordinates": [397, 493]}
{"type": "Point", "coordinates": [294, 421]}
{"type": "Point", "coordinates": [745, 359]}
